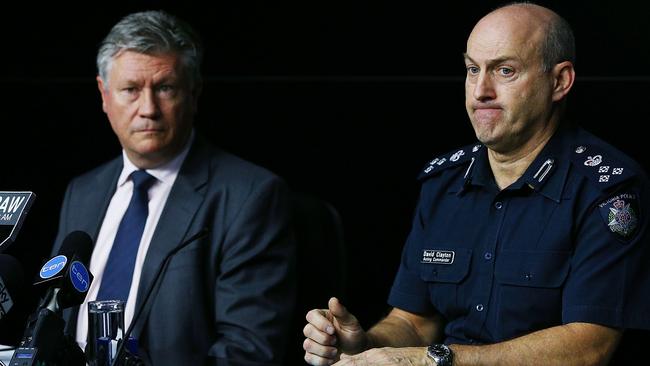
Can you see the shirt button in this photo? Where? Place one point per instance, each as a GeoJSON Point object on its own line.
{"type": "Point", "coordinates": [487, 256]}
{"type": "Point", "coordinates": [479, 307]}
{"type": "Point", "coordinates": [498, 205]}
{"type": "Point", "coordinates": [528, 276]}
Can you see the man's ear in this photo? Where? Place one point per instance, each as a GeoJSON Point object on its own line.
{"type": "Point", "coordinates": [563, 77]}
{"type": "Point", "coordinates": [102, 92]}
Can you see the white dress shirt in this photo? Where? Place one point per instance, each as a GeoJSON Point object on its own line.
{"type": "Point", "coordinates": [165, 176]}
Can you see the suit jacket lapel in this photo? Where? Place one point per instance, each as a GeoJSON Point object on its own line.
{"type": "Point", "coordinates": [100, 196]}
{"type": "Point", "coordinates": [95, 195]}
{"type": "Point", "coordinates": [184, 200]}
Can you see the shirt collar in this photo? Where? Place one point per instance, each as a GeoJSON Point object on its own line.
{"type": "Point", "coordinates": [162, 173]}
{"type": "Point", "coordinates": [548, 172]}
{"type": "Point", "coordinates": [546, 175]}
{"type": "Point", "coordinates": [477, 174]}
{"type": "Point", "coordinates": [480, 173]}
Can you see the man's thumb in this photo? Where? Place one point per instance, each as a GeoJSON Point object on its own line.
{"type": "Point", "coordinates": [341, 314]}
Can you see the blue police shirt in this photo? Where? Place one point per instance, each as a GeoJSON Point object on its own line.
{"type": "Point", "coordinates": [567, 242]}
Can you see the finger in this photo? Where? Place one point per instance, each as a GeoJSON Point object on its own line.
{"type": "Point", "coordinates": [316, 360]}
{"type": "Point", "coordinates": [341, 313]}
{"type": "Point", "coordinates": [311, 332]}
{"type": "Point", "coordinates": [319, 350]}
{"type": "Point", "coordinates": [319, 320]}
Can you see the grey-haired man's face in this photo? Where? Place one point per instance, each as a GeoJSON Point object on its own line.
{"type": "Point", "coordinates": [150, 105]}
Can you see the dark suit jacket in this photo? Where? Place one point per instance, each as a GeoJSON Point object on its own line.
{"type": "Point", "coordinates": [225, 299]}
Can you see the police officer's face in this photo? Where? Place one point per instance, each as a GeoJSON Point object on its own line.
{"type": "Point", "coordinates": [507, 95]}
{"type": "Point", "coordinates": [149, 104]}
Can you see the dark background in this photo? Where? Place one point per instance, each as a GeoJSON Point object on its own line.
{"type": "Point", "coordinates": [345, 100]}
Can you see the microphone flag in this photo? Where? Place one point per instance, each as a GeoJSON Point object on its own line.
{"type": "Point", "coordinates": [13, 209]}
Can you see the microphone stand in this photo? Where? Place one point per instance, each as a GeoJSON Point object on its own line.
{"type": "Point", "coordinates": [45, 342]}
{"type": "Point", "coordinates": [121, 347]}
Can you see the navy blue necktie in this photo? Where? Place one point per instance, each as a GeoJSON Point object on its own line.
{"type": "Point", "coordinates": [118, 272]}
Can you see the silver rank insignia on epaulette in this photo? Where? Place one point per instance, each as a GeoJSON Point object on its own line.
{"type": "Point", "coordinates": [451, 159]}
{"type": "Point", "coordinates": [433, 163]}
{"type": "Point", "coordinates": [602, 169]}
{"type": "Point", "coordinates": [455, 156]}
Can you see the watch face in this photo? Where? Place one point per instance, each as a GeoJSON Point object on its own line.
{"type": "Point", "coordinates": [441, 354]}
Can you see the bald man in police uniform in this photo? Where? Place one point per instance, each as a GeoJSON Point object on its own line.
{"type": "Point", "coordinates": [529, 246]}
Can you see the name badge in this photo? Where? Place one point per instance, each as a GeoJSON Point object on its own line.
{"type": "Point", "coordinates": [435, 256]}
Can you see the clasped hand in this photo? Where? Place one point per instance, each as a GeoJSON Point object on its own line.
{"type": "Point", "coordinates": [333, 334]}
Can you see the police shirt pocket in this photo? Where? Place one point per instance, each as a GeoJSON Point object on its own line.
{"type": "Point", "coordinates": [444, 276]}
{"type": "Point", "coordinates": [532, 268]}
{"type": "Point", "coordinates": [530, 290]}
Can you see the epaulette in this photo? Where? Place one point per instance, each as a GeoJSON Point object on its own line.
{"type": "Point", "coordinates": [602, 166]}
{"type": "Point", "coordinates": [451, 159]}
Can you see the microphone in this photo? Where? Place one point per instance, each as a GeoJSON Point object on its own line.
{"type": "Point", "coordinates": [13, 209]}
{"type": "Point", "coordinates": [119, 353]}
{"type": "Point", "coordinates": [44, 340]}
{"type": "Point", "coordinates": [12, 295]}
{"type": "Point", "coordinates": [11, 283]}
{"type": "Point", "coordinates": [67, 273]}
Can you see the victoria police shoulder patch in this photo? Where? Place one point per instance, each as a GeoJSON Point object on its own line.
{"type": "Point", "coordinates": [621, 214]}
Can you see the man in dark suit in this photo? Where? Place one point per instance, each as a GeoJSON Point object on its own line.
{"type": "Point", "coordinates": [226, 297]}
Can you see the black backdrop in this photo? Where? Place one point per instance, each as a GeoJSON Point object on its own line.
{"type": "Point", "coordinates": [345, 100]}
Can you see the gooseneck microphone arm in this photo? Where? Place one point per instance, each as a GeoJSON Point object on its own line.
{"type": "Point", "coordinates": [154, 285]}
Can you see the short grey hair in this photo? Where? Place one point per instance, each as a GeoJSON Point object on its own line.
{"type": "Point", "coordinates": [559, 45]}
{"type": "Point", "coordinates": [153, 32]}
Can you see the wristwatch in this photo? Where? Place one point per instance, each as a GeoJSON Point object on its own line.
{"type": "Point", "coordinates": [441, 354]}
